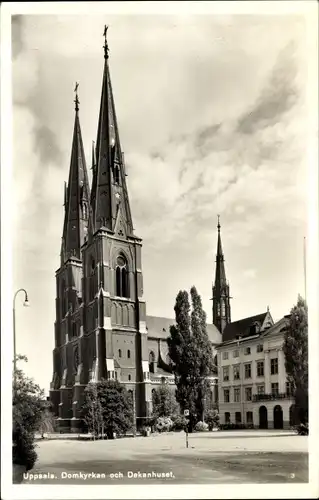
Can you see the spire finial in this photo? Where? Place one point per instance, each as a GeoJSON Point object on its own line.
{"type": "Point", "coordinates": [218, 222]}
{"type": "Point", "coordinates": [76, 100]}
{"type": "Point", "coordinates": [105, 46]}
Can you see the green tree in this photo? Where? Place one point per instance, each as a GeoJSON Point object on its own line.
{"type": "Point", "coordinates": [296, 357]}
{"type": "Point", "coordinates": [28, 407]}
{"type": "Point", "coordinates": [108, 408]}
{"type": "Point", "coordinates": [191, 354]}
{"type": "Point", "coordinates": [164, 402]}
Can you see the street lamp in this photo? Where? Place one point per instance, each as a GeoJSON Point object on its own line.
{"type": "Point", "coordinates": [26, 303]}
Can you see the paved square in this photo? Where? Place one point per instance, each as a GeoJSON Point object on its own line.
{"type": "Point", "coordinates": [212, 457]}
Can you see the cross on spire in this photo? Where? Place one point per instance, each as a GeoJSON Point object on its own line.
{"type": "Point", "coordinates": [76, 100]}
{"type": "Point", "coordinates": [218, 223]}
{"type": "Point", "coordinates": [105, 46]}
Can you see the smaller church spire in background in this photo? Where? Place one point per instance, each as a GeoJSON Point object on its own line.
{"type": "Point", "coordinates": [221, 302]}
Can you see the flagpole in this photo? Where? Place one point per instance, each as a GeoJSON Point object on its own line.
{"type": "Point", "coordinates": [305, 266]}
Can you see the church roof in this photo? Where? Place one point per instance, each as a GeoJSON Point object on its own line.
{"type": "Point", "coordinates": [158, 327]}
{"type": "Point", "coordinates": [242, 326]}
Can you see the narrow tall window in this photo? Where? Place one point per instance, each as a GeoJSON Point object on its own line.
{"type": "Point", "coordinates": [152, 362]}
{"type": "Point", "coordinates": [63, 299]}
{"type": "Point", "coordinates": [120, 353]}
{"type": "Point", "coordinates": [84, 211]}
{"type": "Point", "coordinates": [128, 354]}
{"type": "Point", "coordinates": [122, 287]}
{"type": "Point", "coordinates": [223, 308]}
{"type": "Point", "coordinates": [116, 174]}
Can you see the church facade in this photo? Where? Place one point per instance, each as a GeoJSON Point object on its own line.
{"type": "Point", "coordinates": [101, 326]}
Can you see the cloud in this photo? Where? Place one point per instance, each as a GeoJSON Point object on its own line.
{"type": "Point", "coordinates": [276, 98]}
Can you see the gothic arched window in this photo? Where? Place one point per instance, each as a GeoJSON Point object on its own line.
{"type": "Point", "coordinates": [152, 362]}
{"type": "Point", "coordinates": [128, 354]}
{"type": "Point", "coordinates": [122, 285]}
{"type": "Point", "coordinates": [120, 353]}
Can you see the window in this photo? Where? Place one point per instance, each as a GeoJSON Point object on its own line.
{"type": "Point", "coordinates": [261, 389]}
{"type": "Point", "coordinates": [237, 394]}
{"type": "Point", "coordinates": [247, 350]}
{"type": "Point", "coordinates": [226, 395]}
{"type": "Point", "coordinates": [128, 354]}
{"type": "Point", "coordinates": [236, 354]}
{"type": "Point", "coordinates": [236, 372]}
{"type": "Point", "coordinates": [129, 377]}
{"type": "Point", "coordinates": [152, 362]}
{"type": "Point", "coordinates": [225, 355]}
{"type": "Point", "coordinates": [274, 366]}
{"type": "Point", "coordinates": [238, 417]}
{"type": "Point", "coordinates": [116, 375]}
{"type": "Point", "coordinates": [92, 279]}
{"type": "Point", "coordinates": [248, 392]}
{"type": "Point", "coordinates": [260, 348]}
{"type": "Point", "coordinates": [226, 373]}
{"type": "Point", "coordinates": [248, 370]}
{"type": "Point", "coordinates": [275, 389]}
{"type": "Point", "coordinates": [84, 211]}
{"type": "Point", "coordinates": [121, 277]}
{"type": "Point", "coordinates": [74, 330]}
{"type": "Point", "coordinates": [218, 309]}
{"type": "Point", "coordinates": [223, 306]}
{"type": "Point", "coordinates": [116, 174]}
{"type": "Point", "coordinates": [227, 417]}
{"type": "Point", "coordinates": [120, 353]}
{"type": "Point", "coordinates": [289, 389]}
{"type": "Point", "coordinates": [249, 417]}
{"type": "Point", "coordinates": [260, 368]}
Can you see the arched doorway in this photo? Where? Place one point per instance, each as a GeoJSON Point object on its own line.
{"type": "Point", "coordinates": [278, 417]}
{"type": "Point", "coordinates": [292, 416]}
{"type": "Point", "coordinates": [263, 418]}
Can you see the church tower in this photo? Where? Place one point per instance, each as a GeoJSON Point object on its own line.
{"type": "Point", "coordinates": [114, 309]}
{"type": "Point", "coordinates": [221, 298]}
{"type": "Point", "coordinates": [69, 307]}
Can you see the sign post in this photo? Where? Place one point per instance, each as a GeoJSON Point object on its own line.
{"type": "Point", "coordinates": [186, 414]}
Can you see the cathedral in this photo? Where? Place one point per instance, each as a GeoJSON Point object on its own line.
{"type": "Point", "coordinates": [101, 327]}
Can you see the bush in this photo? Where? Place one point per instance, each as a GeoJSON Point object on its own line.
{"type": "Point", "coordinates": [212, 419]}
{"type": "Point", "coordinates": [23, 452]}
{"type": "Point", "coordinates": [28, 407]}
{"type": "Point", "coordinates": [164, 424]}
{"type": "Point", "coordinates": [201, 427]}
{"type": "Point", "coordinates": [179, 423]}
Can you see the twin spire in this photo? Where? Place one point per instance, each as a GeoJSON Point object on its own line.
{"type": "Point", "coordinates": [107, 206]}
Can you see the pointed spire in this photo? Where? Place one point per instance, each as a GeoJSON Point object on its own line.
{"type": "Point", "coordinates": [108, 175]}
{"type": "Point", "coordinates": [105, 46]}
{"type": "Point", "coordinates": [76, 100]}
{"type": "Point", "coordinates": [220, 274]}
{"type": "Point", "coordinates": [77, 196]}
{"type": "Point", "coordinates": [221, 304]}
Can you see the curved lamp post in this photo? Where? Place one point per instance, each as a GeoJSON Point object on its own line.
{"type": "Point", "coordinates": [26, 303]}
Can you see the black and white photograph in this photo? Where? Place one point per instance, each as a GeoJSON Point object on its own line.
{"type": "Point", "coordinates": [159, 315]}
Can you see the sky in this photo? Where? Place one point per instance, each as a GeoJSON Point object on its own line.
{"type": "Point", "coordinates": [213, 120]}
